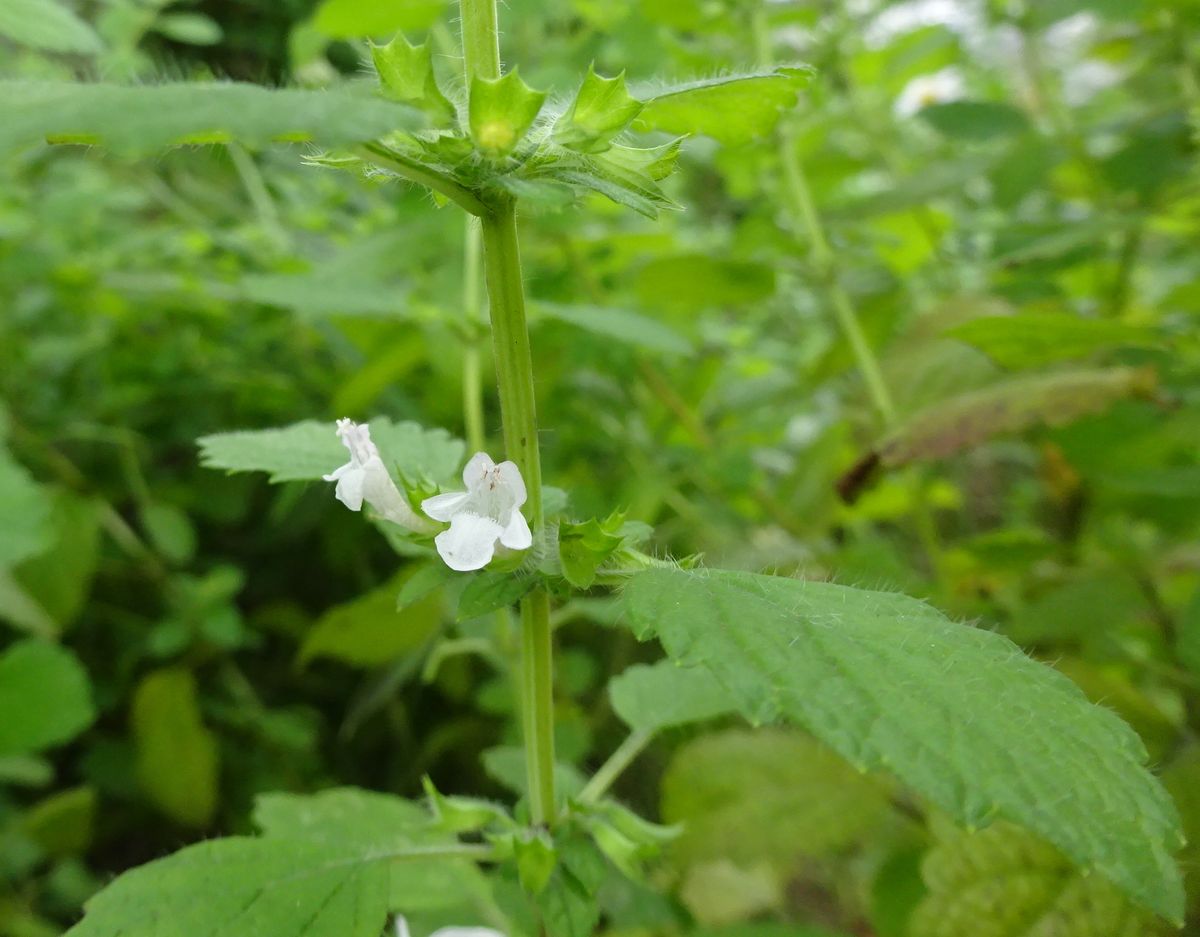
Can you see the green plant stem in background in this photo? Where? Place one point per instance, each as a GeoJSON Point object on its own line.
{"type": "Point", "coordinates": [472, 376]}
{"type": "Point", "coordinates": [617, 762]}
{"type": "Point", "coordinates": [822, 255]}
{"type": "Point", "coordinates": [514, 375]}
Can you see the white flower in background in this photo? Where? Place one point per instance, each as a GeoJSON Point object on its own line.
{"type": "Point", "coordinates": [366, 478]}
{"type": "Point", "coordinates": [402, 930]}
{"type": "Point", "coordinates": [964, 17]}
{"type": "Point", "coordinates": [488, 511]}
{"type": "Point", "coordinates": [934, 88]}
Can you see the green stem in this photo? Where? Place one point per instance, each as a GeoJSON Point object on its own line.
{"type": "Point", "coordinates": [822, 255]}
{"type": "Point", "coordinates": [514, 375]}
{"type": "Point", "coordinates": [617, 762]}
{"type": "Point", "coordinates": [472, 373]}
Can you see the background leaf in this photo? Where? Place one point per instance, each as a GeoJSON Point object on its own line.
{"type": "Point", "coordinates": [732, 108]}
{"type": "Point", "coordinates": [45, 697]}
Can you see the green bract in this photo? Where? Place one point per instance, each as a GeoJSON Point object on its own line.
{"type": "Point", "coordinates": [406, 72]}
{"type": "Point", "coordinates": [601, 110]}
{"type": "Point", "coordinates": [501, 112]}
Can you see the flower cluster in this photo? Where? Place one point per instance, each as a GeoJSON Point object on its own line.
{"type": "Point", "coordinates": [486, 514]}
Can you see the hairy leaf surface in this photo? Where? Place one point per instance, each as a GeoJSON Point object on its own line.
{"type": "Point", "coordinates": [957, 713]}
{"type": "Point", "coordinates": [309, 450]}
{"type": "Point", "coordinates": [730, 108]}
{"type": "Point", "coordinates": [142, 120]}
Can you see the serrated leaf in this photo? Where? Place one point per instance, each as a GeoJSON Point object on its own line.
{"type": "Point", "coordinates": [369, 631]}
{"type": "Point", "coordinates": [958, 714]}
{"type": "Point", "coordinates": [730, 108]}
{"type": "Point", "coordinates": [142, 120]}
{"type": "Point", "coordinates": [631, 328]}
{"type": "Point", "coordinates": [47, 25]}
{"type": "Point", "coordinates": [501, 111]}
{"type": "Point", "coordinates": [650, 697]}
{"type": "Point", "coordinates": [568, 908]}
{"type": "Point", "coordinates": [239, 886]}
{"type": "Point", "coordinates": [488, 591]}
{"type": "Point", "coordinates": [176, 754]}
{"type": "Point", "coordinates": [602, 108]}
{"type": "Point", "coordinates": [975, 120]}
{"type": "Point", "coordinates": [309, 450]}
{"type": "Point", "coordinates": [771, 794]}
{"type": "Point", "coordinates": [406, 72]}
{"type": "Point", "coordinates": [24, 513]}
{"type": "Point", "coordinates": [1033, 339]}
{"type": "Point", "coordinates": [1005, 882]}
{"type": "Point", "coordinates": [1008, 407]}
{"type": "Point", "coordinates": [45, 697]}
{"type": "Point", "coordinates": [366, 822]}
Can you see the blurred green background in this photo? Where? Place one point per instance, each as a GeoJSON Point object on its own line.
{"type": "Point", "coordinates": [1011, 202]}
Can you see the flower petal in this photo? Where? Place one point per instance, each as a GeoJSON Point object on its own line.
{"type": "Point", "coordinates": [475, 472]}
{"type": "Point", "coordinates": [510, 477]}
{"type": "Point", "coordinates": [350, 489]}
{"type": "Point", "coordinates": [516, 535]}
{"type": "Point", "coordinates": [466, 932]}
{"type": "Point", "coordinates": [443, 507]}
{"type": "Point", "coordinates": [338, 472]}
{"type": "Point", "coordinates": [470, 542]}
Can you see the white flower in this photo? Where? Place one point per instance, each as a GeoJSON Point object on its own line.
{"type": "Point", "coordinates": [489, 510]}
{"type": "Point", "coordinates": [402, 930]}
{"type": "Point", "coordinates": [964, 17]}
{"type": "Point", "coordinates": [366, 478]}
{"type": "Point", "coordinates": [934, 88]}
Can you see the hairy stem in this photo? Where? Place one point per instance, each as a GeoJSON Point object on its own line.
{"type": "Point", "coordinates": [514, 375]}
{"type": "Point", "coordinates": [472, 369]}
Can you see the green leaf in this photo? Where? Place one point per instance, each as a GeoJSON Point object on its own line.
{"type": "Point", "coordinates": [354, 19]}
{"type": "Point", "coordinates": [406, 72]}
{"type": "Point", "coordinates": [176, 753]}
{"type": "Point", "coordinates": [1005, 882]}
{"type": "Point", "coordinates": [958, 714]}
{"type": "Point", "coordinates": [501, 112]}
{"type": "Point", "coordinates": [1009, 407]}
{"type": "Point", "coordinates": [699, 281]}
{"type": "Point", "coordinates": [422, 582]}
{"type": "Point", "coordinates": [365, 822]}
{"type": "Point", "coordinates": [975, 120]}
{"type": "Point", "coordinates": [583, 548]}
{"type": "Point", "coordinates": [1187, 640]}
{"type": "Point", "coordinates": [59, 578]}
{"type": "Point", "coordinates": [238, 886]}
{"type": "Point", "coordinates": [731, 109]}
{"type": "Point", "coordinates": [360, 819]}
{"type": "Point", "coordinates": [24, 513]}
{"type": "Point", "coordinates": [309, 450]}
{"type": "Point", "coordinates": [650, 697]}
{"type": "Point", "coordinates": [487, 591]}
{"type": "Point", "coordinates": [771, 794]}
{"type": "Point", "coordinates": [170, 530]}
{"type": "Point", "coordinates": [601, 110]}
{"type": "Point", "coordinates": [62, 824]}
{"type": "Point", "coordinates": [22, 611]}
{"type": "Point", "coordinates": [631, 328]}
{"type": "Point", "coordinates": [464, 814]}
{"type": "Point", "coordinates": [369, 631]}
{"type": "Point", "coordinates": [45, 697]}
{"type": "Point", "coordinates": [1031, 340]}
{"type": "Point", "coordinates": [536, 859]}
{"type": "Point", "coordinates": [47, 25]}
{"type": "Point", "coordinates": [142, 120]}
{"type": "Point", "coordinates": [194, 29]}
{"type": "Point", "coordinates": [568, 908]}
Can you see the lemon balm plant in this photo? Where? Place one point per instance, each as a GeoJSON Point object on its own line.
{"type": "Point", "coordinates": [982, 735]}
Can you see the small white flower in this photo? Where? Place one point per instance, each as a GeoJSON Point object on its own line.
{"type": "Point", "coordinates": [489, 510]}
{"type": "Point", "coordinates": [366, 478]}
{"type": "Point", "coordinates": [925, 90]}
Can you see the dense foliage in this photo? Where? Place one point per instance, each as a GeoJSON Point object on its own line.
{"type": "Point", "coordinates": [865, 352]}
